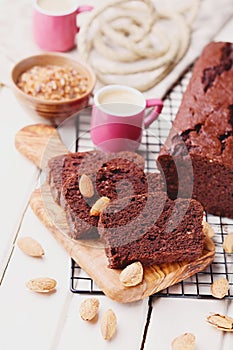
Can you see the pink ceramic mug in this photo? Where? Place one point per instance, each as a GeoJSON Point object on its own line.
{"type": "Point", "coordinates": [119, 116]}
{"type": "Point", "coordinates": [55, 24]}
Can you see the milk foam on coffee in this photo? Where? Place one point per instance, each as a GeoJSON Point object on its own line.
{"type": "Point", "coordinates": [121, 102]}
{"type": "Point", "coordinates": [57, 6]}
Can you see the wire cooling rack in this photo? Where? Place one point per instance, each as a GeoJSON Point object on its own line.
{"type": "Point", "coordinates": [197, 286]}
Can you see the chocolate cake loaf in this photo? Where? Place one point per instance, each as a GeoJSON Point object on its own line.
{"type": "Point", "coordinates": [152, 229]}
{"type": "Point", "coordinates": [62, 167]}
{"type": "Point", "coordinates": [197, 158]}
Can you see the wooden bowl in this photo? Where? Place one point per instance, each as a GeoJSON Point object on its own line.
{"type": "Point", "coordinates": [55, 111]}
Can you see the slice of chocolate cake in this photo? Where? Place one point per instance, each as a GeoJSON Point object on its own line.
{"type": "Point", "coordinates": [152, 229]}
{"type": "Point", "coordinates": [62, 167]}
{"type": "Point", "coordinates": [197, 158]}
{"type": "Point", "coordinates": [116, 179]}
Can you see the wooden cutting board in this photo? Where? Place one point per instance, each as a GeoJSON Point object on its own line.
{"type": "Point", "coordinates": [41, 142]}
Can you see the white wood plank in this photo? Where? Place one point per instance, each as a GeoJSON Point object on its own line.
{"type": "Point", "coordinates": [29, 320]}
{"type": "Point", "coordinates": [18, 175]}
{"type": "Point", "coordinates": [78, 333]}
{"type": "Point", "coordinates": [33, 318]}
{"type": "Point", "coordinates": [174, 316]}
{"type": "Point", "coordinates": [53, 321]}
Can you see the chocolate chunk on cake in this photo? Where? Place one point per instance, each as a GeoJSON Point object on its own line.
{"type": "Point", "coordinates": [152, 229]}
{"type": "Point", "coordinates": [197, 158]}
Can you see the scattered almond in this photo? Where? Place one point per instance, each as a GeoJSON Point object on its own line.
{"type": "Point", "coordinates": [221, 322]}
{"type": "Point", "coordinates": [108, 324]}
{"type": "Point", "coordinates": [185, 341]}
{"type": "Point", "coordinates": [228, 243]}
{"type": "Point", "coordinates": [207, 229]}
{"type": "Point", "coordinates": [89, 308]}
{"type": "Point", "coordinates": [219, 288]}
{"type": "Point", "coordinates": [99, 206]}
{"type": "Point", "coordinates": [41, 284]}
{"type": "Point", "coordinates": [30, 247]}
{"type": "Point", "coordinates": [132, 275]}
{"type": "Point", "coordinates": [85, 186]}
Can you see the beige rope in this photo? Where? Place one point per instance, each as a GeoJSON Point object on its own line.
{"type": "Point", "coordinates": [122, 37]}
{"type": "Point", "coordinates": [84, 46]}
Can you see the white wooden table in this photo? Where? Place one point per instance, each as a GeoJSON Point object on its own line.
{"type": "Point", "coordinates": [33, 321]}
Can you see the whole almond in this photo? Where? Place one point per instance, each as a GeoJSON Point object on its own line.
{"type": "Point", "coordinates": [228, 243]}
{"type": "Point", "coordinates": [108, 324]}
{"type": "Point", "coordinates": [86, 186]}
{"type": "Point", "coordinates": [132, 274]}
{"type": "Point", "coordinates": [207, 229]}
{"type": "Point", "coordinates": [185, 341]}
{"type": "Point", "coordinates": [89, 308]}
{"type": "Point", "coordinates": [219, 288]}
{"type": "Point", "coordinates": [41, 284]}
{"type": "Point", "coordinates": [221, 322]}
{"type": "Point", "coordinates": [99, 206]}
{"type": "Point", "coordinates": [30, 247]}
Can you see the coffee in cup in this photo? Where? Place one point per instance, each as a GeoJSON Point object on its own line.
{"type": "Point", "coordinates": [57, 6]}
{"type": "Point", "coordinates": [55, 24]}
{"type": "Point", "coordinates": [121, 102]}
{"type": "Point", "coordinates": [119, 116]}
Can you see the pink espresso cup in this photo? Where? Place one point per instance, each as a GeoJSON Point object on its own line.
{"type": "Point", "coordinates": [56, 30]}
{"type": "Point", "coordinates": [119, 116]}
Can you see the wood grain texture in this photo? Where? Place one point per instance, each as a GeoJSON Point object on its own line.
{"type": "Point", "coordinates": [39, 143]}
{"type": "Point", "coordinates": [90, 255]}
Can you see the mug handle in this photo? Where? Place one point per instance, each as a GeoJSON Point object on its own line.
{"type": "Point", "coordinates": [153, 115]}
{"type": "Point", "coordinates": [83, 8]}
